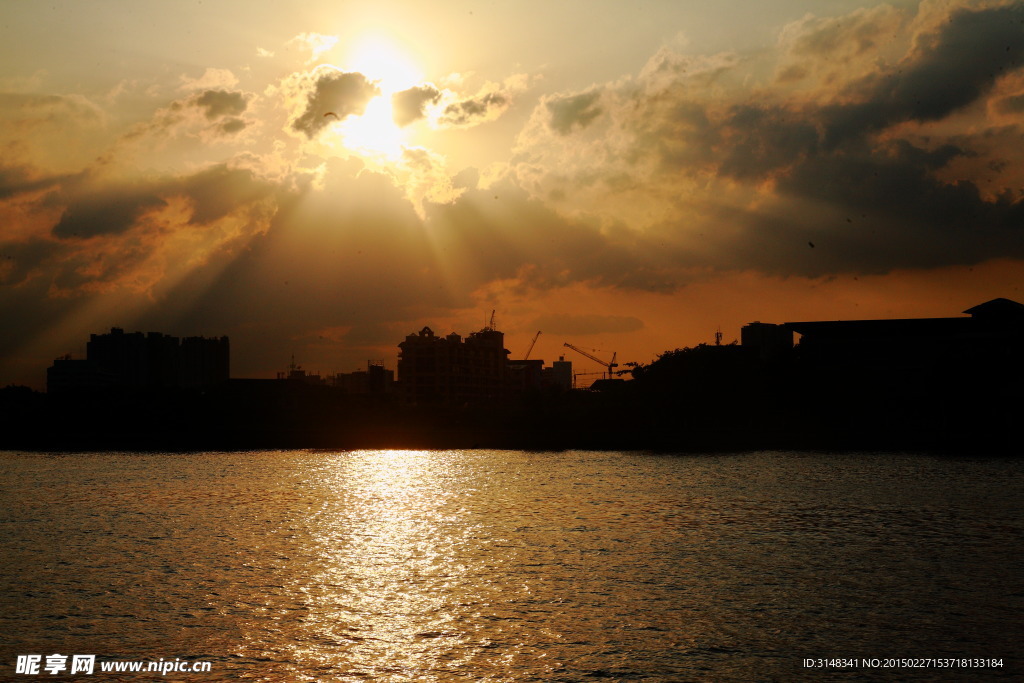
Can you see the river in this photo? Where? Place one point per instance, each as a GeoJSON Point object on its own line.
{"type": "Point", "coordinates": [482, 565]}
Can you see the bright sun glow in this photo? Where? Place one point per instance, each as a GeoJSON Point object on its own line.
{"type": "Point", "coordinates": [375, 133]}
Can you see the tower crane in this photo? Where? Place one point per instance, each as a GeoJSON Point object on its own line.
{"type": "Point", "coordinates": [529, 350]}
{"type": "Point", "coordinates": [611, 365]}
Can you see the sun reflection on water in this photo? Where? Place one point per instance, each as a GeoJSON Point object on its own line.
{"type": "Point", "coordinates": [386, 542]}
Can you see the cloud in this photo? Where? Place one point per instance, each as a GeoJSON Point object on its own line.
{"type": "Point", "coordinates": [109, 211]}
{"type": "Point", "coordinates": [315, 43]}
{"type": "Point", "coordinates": [328, 90]}
{"type": "Point", "coordinates": [575, 110]}
{"type": "Point", "coordinates": [212, 79]}
{"type": "Point", "coordinates": [668, 68]}
{"type": "Point", "coordinates": [230, 126]}
{"type": "Point", "coordinates": [947, 71]}
{"type": "Point", "coordinates": [219, 190]}
{"type": "Point", "coordinates": [52, 105]}
{"type": "Point", "coordinates": [409, 105]}
{"type": "Point", "coordinates": [15, 180]}
{"type": "Point", "coordinates": [217, 103]}
{"type": "Point", "coordinates": [55, 117]}
{"type": "Point", "coordinates": [20, 260]}
{"type": "Point", "coordinates": [475, 110]}
{"type": "Point", "coordinates": [826, 51]}
{"type": "Point", "coordinates": [209, 115]}
{"type": "Point", "coordinates": [448, 109]}
{"type": "Point", "coordinates": [94, 207]}
{"type": "Point", "coordinates": [1013, 104]}
{"type": "Point", "coordinates": [888, 166]}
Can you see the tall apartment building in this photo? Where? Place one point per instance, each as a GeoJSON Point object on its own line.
{"type": "Point", "coordinates": [143, 361]}
{"type": "Point", "coordinates": [451, 370]}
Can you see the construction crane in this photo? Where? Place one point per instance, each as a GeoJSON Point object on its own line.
{"type": "Point", "coordinates": [577, 375]}
{"type": "Point", "coordinates": [529, 350]}
{"type": "Point", "coordinates": [610, 365]}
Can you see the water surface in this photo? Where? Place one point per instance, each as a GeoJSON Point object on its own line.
{"type": "Point", "coordinates": [512, 566]}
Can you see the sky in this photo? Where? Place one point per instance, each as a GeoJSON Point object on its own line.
{"type": "Point", "coordinates": [321, 179]}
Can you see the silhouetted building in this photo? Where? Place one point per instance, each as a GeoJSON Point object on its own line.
{"type": "Point", "coordinates": [766, 340]}
{"type": "Point", "coordinates": [375, 380]}
{"type": "Point", "coordinates": [452, 370]}
{"type": "Point", "coordinates": [379, 379]}
{"type": "Point", "coordinates": [526, 375]}
{"type": "Point", "coordinates": [76, 375]}
{"type": "Point", "coordinates": [296, 375]}
{"type": "Point", "coordinates": [994, 332]}
{"type": "Point", "coordinates": [127, 356]}
{"type": "Point", "coordinates": [205, 362]}
{"type": "Point", "coordinates": [559, 375]}
{"type": "Point", "coordinates": [143, 361]}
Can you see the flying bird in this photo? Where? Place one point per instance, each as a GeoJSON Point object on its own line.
{"type": "Point", "coordinates": [331, 113]}
{"type": "Point", "coordinates": [811, 244]}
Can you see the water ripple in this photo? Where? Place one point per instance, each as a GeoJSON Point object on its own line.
{"type": "Point", "coordinates": [511, 566]}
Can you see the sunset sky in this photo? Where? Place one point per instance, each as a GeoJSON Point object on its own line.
{"type": "Point", "coordinates": [323, 178]}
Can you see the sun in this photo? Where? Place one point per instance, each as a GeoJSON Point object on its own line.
{"type": "Point", "coordinates": [374, 133]}
{"type": "Point", "coordinates": [380, 59]}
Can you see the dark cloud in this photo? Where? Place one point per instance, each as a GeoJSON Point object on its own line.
{"type": "Point", "coordinates": [888, 210]}
{"type": "Point", "coordinates": [341, 93]}
{"type": "Point", "coordinates": [951, 70]}
{"type": "Point", "coordinates": [763, 139]}
{"type": "Point", "coordinates": [213, 193]}
{"type": "Point", "coordinates": [15, 180]}
{"type": "Point", "coordinates": [410, 105]}
{"type": "Point", "coordinates": [955, 68]}
{"type": "Point", "coordinates": [852, 168]}
{"type": "Point", "coordinates": [18, 260]}
{"type": "Point", "coordinates": [218, 103]}
{"type": "Point", "coordinates": [109, 211]}
{"type": "Point", "coordinates": [231, 126]}
{"type": "Point", "coordinates": [220, 190]}
{"type": "Point", "coordinates": [577, 110]}
{"type": "Point", "coordinates": [873, 210]}
{"type": "Point", "coordinates": [582, 324]}
{"type": "Point", "coordinates": [1014, 104]}
{"type": "Point", "coordinates": [475, 110]}
{"type": "Point", "coordinates": [886, 204]}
